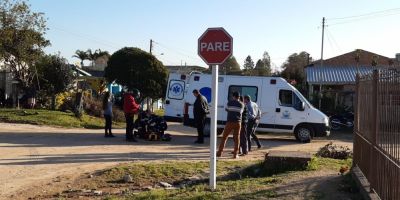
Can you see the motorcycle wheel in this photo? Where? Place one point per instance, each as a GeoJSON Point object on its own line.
{"type": "Point", "coordinates": [335, 125]}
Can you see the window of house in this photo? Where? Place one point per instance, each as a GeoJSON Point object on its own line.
{"type": "Point", "coordinates": [252, 91]}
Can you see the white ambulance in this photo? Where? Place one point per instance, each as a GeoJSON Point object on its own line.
{"type": "Point", "coordinates": [283, 107]}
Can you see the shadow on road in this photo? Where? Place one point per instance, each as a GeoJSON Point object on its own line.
{"type": "Point", "coordinates": [107, 157]}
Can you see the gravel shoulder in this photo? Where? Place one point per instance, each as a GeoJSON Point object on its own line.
{"type": "Point", "coordinates": [33, 156]}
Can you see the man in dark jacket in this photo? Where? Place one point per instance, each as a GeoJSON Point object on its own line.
{"type": "Point", "coordinates": [233, 124]}
{"type": "Point", "coordinates": [200, 111]}
{"type": "Point", "coordinates": [243, 130]}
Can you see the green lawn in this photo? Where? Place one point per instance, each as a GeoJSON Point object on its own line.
{"type": "Point", "coordinates": [52, 118]}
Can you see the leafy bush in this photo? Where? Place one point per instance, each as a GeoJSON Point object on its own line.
{"type": "Point", "coordinates": [118, 115]}
{"type": "Point", "coordinates": [94, 107]}
{"type": "Point", "coordinates": [65, 101]}
{"type": "Point", "coordinates": [335, 151]}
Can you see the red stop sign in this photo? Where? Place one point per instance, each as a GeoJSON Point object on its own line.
{"type": "Point", "coordinates": [215, 46]}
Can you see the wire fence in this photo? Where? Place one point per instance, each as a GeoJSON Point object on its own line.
{"type": "Point", "coordinates": [377, 131]}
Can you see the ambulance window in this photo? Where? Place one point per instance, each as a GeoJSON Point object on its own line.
{"type": "Point", "coordinates": [252, 91]}
{"type": "Point", "coordinates": [286, 98]}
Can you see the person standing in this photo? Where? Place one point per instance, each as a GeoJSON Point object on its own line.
{"type": "Point", "coordinates": [200, 111]}
{"type": "Point", "coordinates": [233, 123]}
{"type": "Point", "coordinates": [107, 110]}
{"type": "Point", "coordinates": [243, 130]}
{"type": "Point", "coordinates": [253, 121]}
{"type": "Point", "coordinates": [130, 109]}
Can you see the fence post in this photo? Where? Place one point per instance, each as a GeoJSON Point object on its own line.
{"type": "Point", "coordinates": [375, 128]}
{"type": "Point", "coordinates": [356, 111]}
{"type": "Point", "coordinates": [356, 121]}
{"type": "Point", "coordinates": [374, 132]}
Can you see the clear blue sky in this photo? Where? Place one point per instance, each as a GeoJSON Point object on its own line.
{"type": "Point", "coordinates": [279, 27]}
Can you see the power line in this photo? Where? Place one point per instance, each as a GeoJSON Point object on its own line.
{"type": "Point", "coordinates": [366, 14]}
{"type": "Point", "coordinates": [330, 42]}
{"type": "Point", "coordinates": [330, 35]}
{"type": "Point", "coordinates": [88, 37]}
{"type": "Point", "coordinates": [178, 51]}
{"type": "Point", "coordinates": [364, 18]}
{"type": "Point", "coordinates": [355, 20]}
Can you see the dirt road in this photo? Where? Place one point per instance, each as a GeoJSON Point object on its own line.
{"type": "Point", "coordinates": [31, 156]}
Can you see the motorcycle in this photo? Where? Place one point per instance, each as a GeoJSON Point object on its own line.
{"type": "Point", "coordinates": [339, 121]}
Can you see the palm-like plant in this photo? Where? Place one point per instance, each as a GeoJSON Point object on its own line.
{"type": "Point", "coordinates": [97, 54]}
{"type": "Point", "coordinates": [82, 55]}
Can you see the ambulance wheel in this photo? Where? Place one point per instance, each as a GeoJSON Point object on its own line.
{"type": "Point", "coordinates": [304, 134]}
{"type": "Point", "coordinates": [207, 129]}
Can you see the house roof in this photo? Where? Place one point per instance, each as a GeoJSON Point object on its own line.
{"type": "Point", "coordinates": [335, 75]}
{"type": "Point", "coordinates": [189, 68]}
{"type": "Point", "coordinates": [79, 71]}
{"type": "Point", "coordinates": [365, 58]}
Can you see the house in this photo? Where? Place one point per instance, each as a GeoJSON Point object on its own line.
{"type": "Point", "coordinates": [184, 69]}
{"type": "Point", "coordinates": [8, 87]}
{"type": "Point", "coordinates": [334, 80]}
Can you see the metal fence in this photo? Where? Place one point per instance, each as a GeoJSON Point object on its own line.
{"type": "Point", "coordinates": [377, 131]}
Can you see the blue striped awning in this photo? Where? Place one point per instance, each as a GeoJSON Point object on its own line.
{"type": "Point", "coordinates": [335, 75]}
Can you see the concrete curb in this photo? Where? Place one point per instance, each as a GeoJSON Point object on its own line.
{"type": "Point", "coordinates": [362, 182]}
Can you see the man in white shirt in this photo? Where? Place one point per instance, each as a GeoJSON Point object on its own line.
{"type": "Point", "coordinates": [254, 115]}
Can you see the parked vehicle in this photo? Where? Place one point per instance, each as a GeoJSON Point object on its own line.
{"type": "Point", "coordinates": [284, 109]}
{"type": "Point", "coordinates": [344, 120]}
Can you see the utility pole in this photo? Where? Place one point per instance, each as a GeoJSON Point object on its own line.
{"type": "Point", "coordinates": [322, 62]}
{"type": "Point", "coordinates": [151, 46]}
{"type": "Point", "coordinates": [149, 101]}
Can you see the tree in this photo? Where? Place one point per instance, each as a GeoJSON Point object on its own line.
{"type": "Point", "coordinates": [260, 69]}
{"type": "Point", "coordinates": [248, 65]}
{"type": "Point", "coordinates": [230, 67]}
{"type": "Point", "coordinates": [135, 68]}
{"type": "Point", "coordinates": [21, 40]}
{"type": "Point", "coordinates": [293, 68]}
{"type": "Point", "coordinates": [99, 53]}
{"type": "Point", "coordinates": [93, 56]}
{"type": "Point", "coordinates": [266, 60]}
{"type": "Point", "coordinates": [55, 75]}
{"type": "Point", "coordinates": [263, 66]}
{"type": "Point", "coordinates": [82, 55]}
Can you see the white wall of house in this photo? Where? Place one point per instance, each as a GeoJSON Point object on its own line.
{"type": "Point", "coordinates": [6, 79]}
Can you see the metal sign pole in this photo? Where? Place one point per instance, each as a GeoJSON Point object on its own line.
{"type": "Point", "coordinates": [213, 130]}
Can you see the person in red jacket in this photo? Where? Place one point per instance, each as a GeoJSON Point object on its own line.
{"type": "Point", "coordinates": [130, 109]}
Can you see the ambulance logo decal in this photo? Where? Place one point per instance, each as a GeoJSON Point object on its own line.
{"type": "Point", "coordinates": [286, 115]}
{"type": "Point", "coordinates": [176, 89]}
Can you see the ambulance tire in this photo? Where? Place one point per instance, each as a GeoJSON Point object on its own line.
{"type": "Point", "coordinates": [207, 129]}
{"type": "Point", "coordinates": [304, 133]}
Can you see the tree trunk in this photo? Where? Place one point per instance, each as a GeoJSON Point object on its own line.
{"type": "Point", "coordinates": [53, 102]}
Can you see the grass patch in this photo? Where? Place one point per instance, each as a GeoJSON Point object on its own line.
{"type": "Point", "coordinates": [159, 112]}
{"type": "Point", "coordinates": [151, 173]}
{"type": "Point", "coordinates": [319, 163]}
{"type": "Point", "coordinates": [52, 118]}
